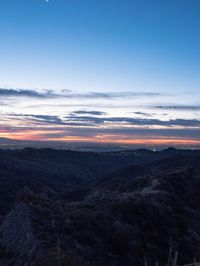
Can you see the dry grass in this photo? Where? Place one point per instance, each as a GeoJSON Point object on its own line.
{"type": "Point", "coordinates": [173, 260]}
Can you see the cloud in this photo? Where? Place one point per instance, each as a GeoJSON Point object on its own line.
{"type": "Point", "coordinates": [41, 119]}
{"type": "Point", "coordinates": [25, 93]}
{"type": "Point", "coordinates": [110, 95]}
{"type": "Point", "coordinates": [134, 121]}
{"type": "Point", "coordinates": [80, 127]}
{"type": "Point", "coordinates": [115, 133]}
{"type": "Point", "coordinates": [85, 112]}
{"type": "Point", "coordinates": [53, 128]}
{"type": "Point", "coordinates": [52, 119]}
{"type": "Point", "coordinates": [129, 133]}
{"type": "Point", "coordinates": [14, 92]}
{"type": "Point", "coordinates": [179, 107]}
{"type": "Point", "coordinates": [3, 103]}
{"type": "Point", "coordinates": [144, 114]}
{"type": "Point", "coordinates": [107, 95]}
{"type": "Point", "coordinates": [91, 120]}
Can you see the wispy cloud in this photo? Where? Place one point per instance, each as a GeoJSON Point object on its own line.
{"type": "Point", "coordinates": [111, 95]}
{"type": "Point", "coordinates": [15, 92]}
{"type": "Point", "coordinates": [179, 107]}
{"type": "Point", "coordinates": [39, 119]}
{"type": "Point", "coordinates": [90, 128]}
{"type": "Point", "coordinates": [135, 121]}
{"type": "Point", "coordinates": [85, 112]}
{"type": "Point", "coordinates": [144, 114]}
{"type": "Point", "coordinates": [25, 93]}
{"type": "Point", "coordinates": [67, 113]}
{"type": "Point", "coordinates": [97, 134]}
{"type": "Point", "coordinates": [91, 120]}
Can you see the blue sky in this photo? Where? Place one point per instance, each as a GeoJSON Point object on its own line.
{"type": "Point", "coordinates": [143, 53]}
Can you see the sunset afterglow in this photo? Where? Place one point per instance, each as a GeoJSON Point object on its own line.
{"type": "Point", "coordinates": [99, 72]}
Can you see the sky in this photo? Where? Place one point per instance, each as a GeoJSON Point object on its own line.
{"type": "Point", "coordinates": [107, 71]}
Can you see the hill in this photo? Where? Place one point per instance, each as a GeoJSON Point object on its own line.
{"type": "Point", "coordinates": [113, 208]}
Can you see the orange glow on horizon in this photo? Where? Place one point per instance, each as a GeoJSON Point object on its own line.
{"type": "Point", "coordinates": [26, 135]}
{"type": "Point", "coordinates": [129, 141]}
{"type": "Point", "coordinates": [32, 135]}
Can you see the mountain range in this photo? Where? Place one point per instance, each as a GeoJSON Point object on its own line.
{"type": "Point", "coordinates": [129, 207]}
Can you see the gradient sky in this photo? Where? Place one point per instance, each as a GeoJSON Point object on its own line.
{"type": "Point", "coordinates": [100, 70]}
